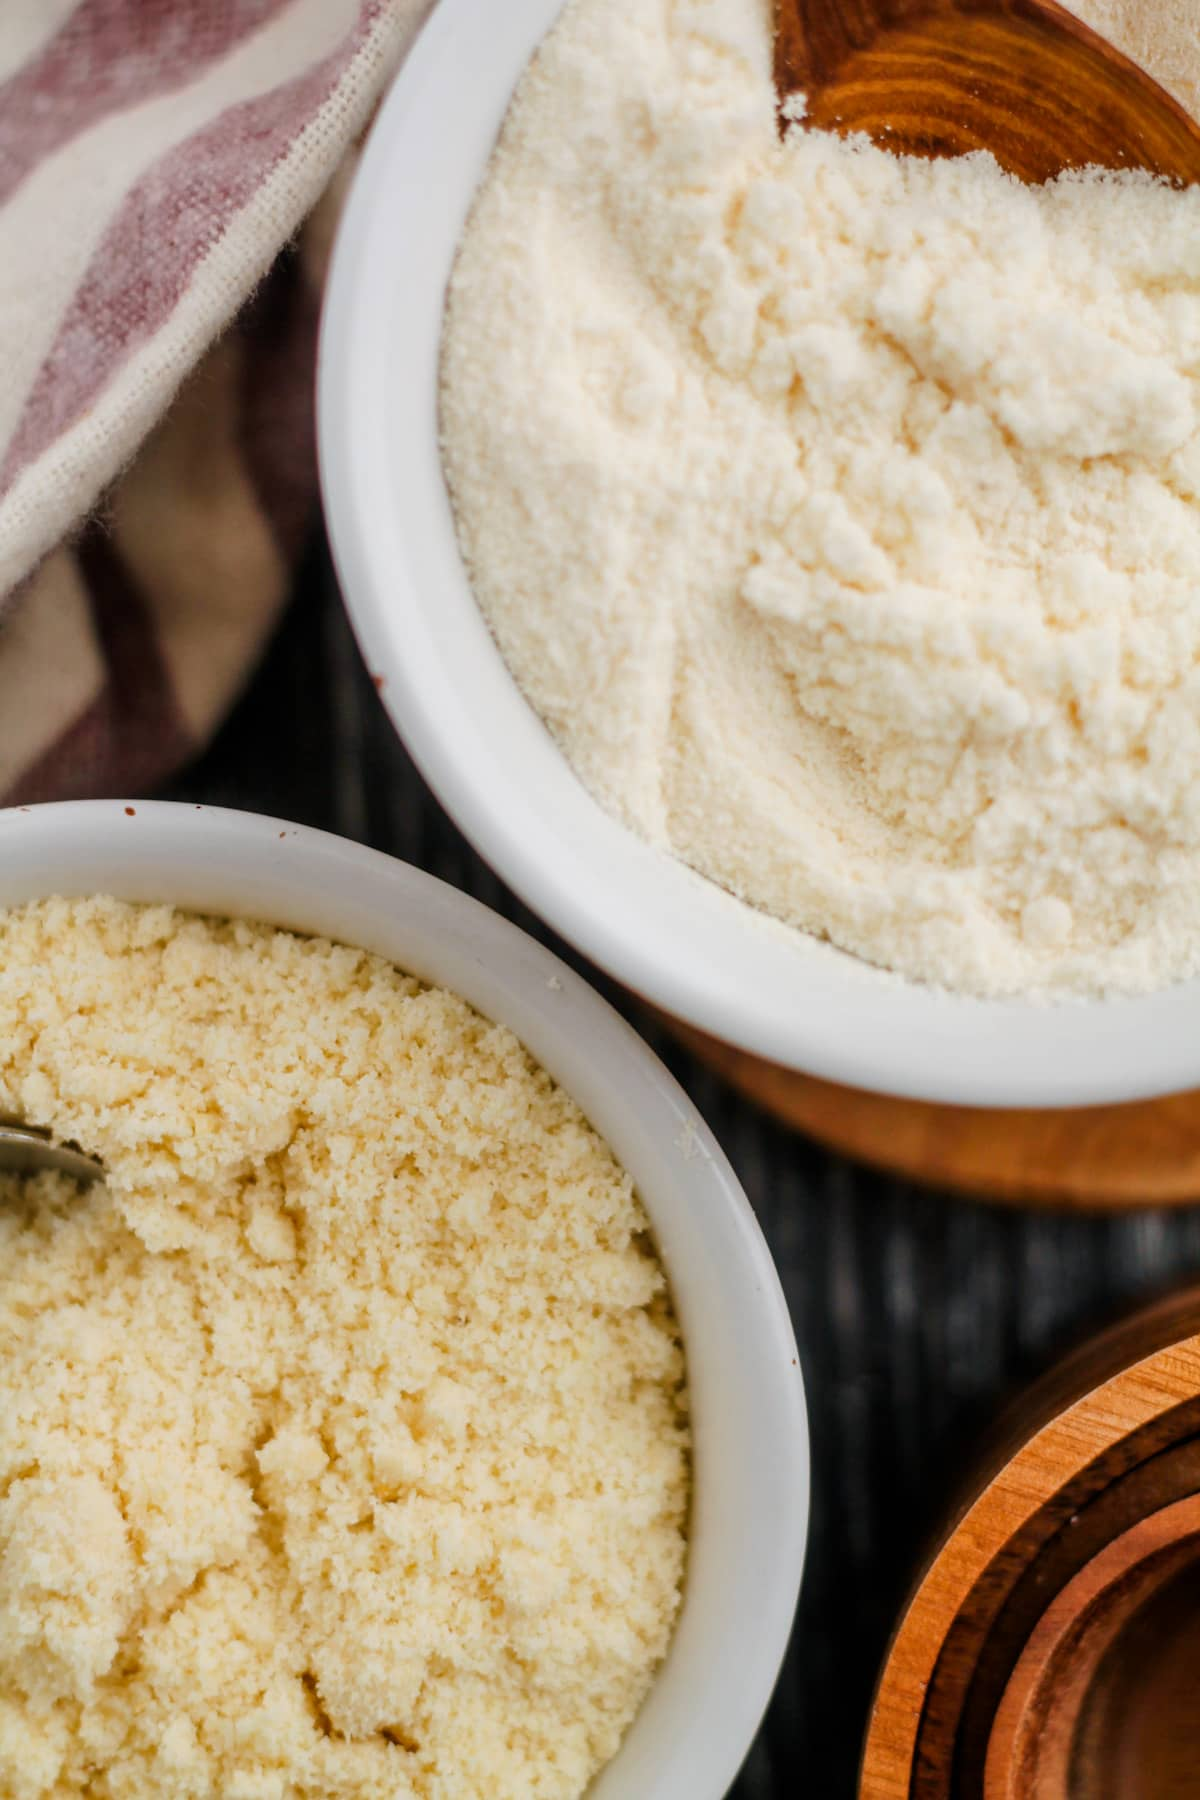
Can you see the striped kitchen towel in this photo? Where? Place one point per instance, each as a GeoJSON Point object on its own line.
{"type": "Point", "coordinates": [156, 471]}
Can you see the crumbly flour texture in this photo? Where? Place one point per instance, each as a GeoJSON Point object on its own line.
{"type": "Point", "coordinates": [838, 512]}
{"type": "Point", "coordinates": [343, 1447]}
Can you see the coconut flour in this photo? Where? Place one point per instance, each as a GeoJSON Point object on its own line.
{"type": "Point", "coordinates": [839, 512]}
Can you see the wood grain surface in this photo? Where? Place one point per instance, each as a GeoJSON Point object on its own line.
{"type": "Point", "coordinates": [1024, 79]}
{"type": "Point", "coordinates": [1089, 1495]}
{"type": "Point", "coordinates": [916, 1316]}
{"type": "Point", "coordinates": [1093, 1158]}
{"type": "Point", "coordinates": [1139, 1738]}
{"type": "Point", "coordinates": [1039, 1748]}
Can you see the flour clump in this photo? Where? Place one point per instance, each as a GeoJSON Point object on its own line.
{"type": "Point", "coordinates": [343, 1436]}
{"type": "Point", "coordinates": [839, 512]}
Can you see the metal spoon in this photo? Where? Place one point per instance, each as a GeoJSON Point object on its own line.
{"type": "Point", "coordinates": [28, 1150]}
{"type": "Point", "coordinates": [1024, 79]}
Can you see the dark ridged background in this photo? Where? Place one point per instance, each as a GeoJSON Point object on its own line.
{"type": "Point", "coordinates": [916, 1315]}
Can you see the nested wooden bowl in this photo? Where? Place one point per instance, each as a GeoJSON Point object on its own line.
{"type": "Point", "coordinates": [1051, 1649]}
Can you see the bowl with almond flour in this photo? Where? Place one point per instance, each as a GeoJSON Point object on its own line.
{"type": "Point", "coordinates": [414, 1407]}
{"type": "Point", "coordinates": [875, 762]}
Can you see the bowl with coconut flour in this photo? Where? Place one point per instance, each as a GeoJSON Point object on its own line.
{"type": "Point", "coordinates": [783, 559]}
{"type": "Point", "coordinates": [413, 1407]}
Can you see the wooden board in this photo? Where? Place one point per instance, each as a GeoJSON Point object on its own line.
{"type": "Point", "coordinates": [1102, 1157]}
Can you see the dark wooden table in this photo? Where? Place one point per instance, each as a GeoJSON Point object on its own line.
{"type": "Point", "coordinates": [916, 1315]}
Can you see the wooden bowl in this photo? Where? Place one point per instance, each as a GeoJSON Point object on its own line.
{"type": "Point", "coordinates": [1095, 1158]}
{"type": "Point", "coordinates": [1086, 1713]}
{"type": "Point", "coordinates": [1037, 1658]}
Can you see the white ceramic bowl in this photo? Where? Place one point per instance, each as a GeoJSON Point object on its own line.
{"type": "Point", "coordinates": [751, 1439]}
{"type": "Point", "coordinates": [648, 920]}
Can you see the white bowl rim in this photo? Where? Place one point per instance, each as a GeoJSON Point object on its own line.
{"type": "Point", "coordinates": [640, 915]}
{"type": "Point", "coordinates": [751, 1521]}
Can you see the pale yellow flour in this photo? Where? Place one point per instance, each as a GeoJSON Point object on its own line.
{"type": "Point", "coordinates": [840, 513]}
{"type": "Point", "coordinates": [343, 1446]}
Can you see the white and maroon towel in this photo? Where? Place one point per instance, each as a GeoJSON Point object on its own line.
{"type": "Point", "coordinates": [155, 475]}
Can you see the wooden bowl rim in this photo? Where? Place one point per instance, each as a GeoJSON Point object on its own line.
{"type": "Point", "coordinates": [1146, 1391]}
{"type": "Point", "coordinates": [1062, 1655]}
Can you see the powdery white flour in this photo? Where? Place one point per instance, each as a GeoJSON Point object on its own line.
{"type": "Point", "coordinates": [838, 512]}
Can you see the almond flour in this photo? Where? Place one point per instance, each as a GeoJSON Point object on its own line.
{"type": "Point", "coordinates": [839, 512]}
{"type": "Point", "coordinates": [343, 1441]}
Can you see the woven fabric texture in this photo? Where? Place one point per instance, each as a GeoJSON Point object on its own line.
{"type": "Point", "coordinates": [156, 470]}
